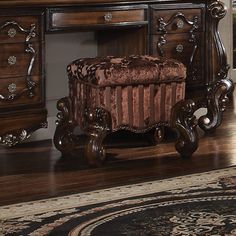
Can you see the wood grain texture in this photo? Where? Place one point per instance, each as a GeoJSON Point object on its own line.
{"type": "Point", "coordinates": [78, 18]}
{"type": "Point", "coordinates": [35, 170]}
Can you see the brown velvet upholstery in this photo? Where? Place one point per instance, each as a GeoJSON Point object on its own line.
{"type": "Point", "coordinates": [138, 91]}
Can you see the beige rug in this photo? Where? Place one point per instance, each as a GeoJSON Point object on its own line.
{"type": "Point", "coordinates": [197, 204]}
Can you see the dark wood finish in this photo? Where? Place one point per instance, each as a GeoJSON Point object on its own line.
{"type": "Point", "coordinates": [178, 46]}
{"type": "Point", "coordinates": [21, 21]}
{"type": "Point", "coordinates": [36, 170]}
{"type": "Point", "coordinates": [19, 67]}
{"type": "Point", "coordinates": [64, 138]}
{"type": "Point", "coordinates": [168, 23]}
{"type": "Point", "coordinates": [121, 42]}
{"type": "Point", "coordinates": [176, 19]}
{"type": "Point", "coordinates": [101, 17]}
{"type": "Point", "coordinates": [185, 124]}
{"type": "Point", "coordinates": [22, 96]}
{"type": "Point", "coordinates": [179, 33]}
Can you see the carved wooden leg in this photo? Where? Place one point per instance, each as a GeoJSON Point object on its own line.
{"type": "Point", "coordinates": [184, 123]}
{"type": "Point", "coordinates": [98, 126]}
{"type": "Point", "coordinates": [64, 139]}
{"type": "Point", "coordinates": [216, 104]}
{"type": "Point", "coordinates": [219, 86]}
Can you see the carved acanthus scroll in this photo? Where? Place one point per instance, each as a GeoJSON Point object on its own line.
{"type": "Point", "coordinates": [219, 86]}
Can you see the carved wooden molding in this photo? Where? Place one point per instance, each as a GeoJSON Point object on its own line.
{"type": "Point", "coordinates": [64, 138]}
{"type": "Point", "coordinates": [184, 122]}
{"type": "Point", "coordinates": [29, 49]}
{"type": "Point", "coordinates": [192, 71]}
{"type": "Point", "coordinates": [11, 139]}
{"type": "Point", "coordinates": [218, 85]}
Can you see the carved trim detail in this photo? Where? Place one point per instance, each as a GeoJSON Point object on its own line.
{"type": "Point", "coordinates": [192, 38]}
{"type": "Point", "coordinates": [64, 138]}
{"type": "Point", "coordinates": [97, 126]}
{"type": "Point", "coordinates": [219, 86]}
{"type": "Point", "coordinates": [11, 139]}
{"type": "Point", "coordinates": [217, 100]}
{"type": "Point", "coordinates": [184, 122]}
{"type": "Point", "coordinates": [30, 84]}
{"type": "Point", "coordinates": [135, 130]}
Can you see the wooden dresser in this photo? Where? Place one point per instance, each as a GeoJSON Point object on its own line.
{"type": "Point", "coordinates": [185, 30]}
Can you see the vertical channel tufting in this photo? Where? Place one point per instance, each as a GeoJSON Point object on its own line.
{"type": "Point", "coordinates": [119, 104]}
{"type": "Point", "coordinates": [134, 101]}
{"type": "Point", "coordinates": [162, 101]}
{"type": "Point", "coordinates": [168, 101]}
{"type": "Point", "coordinates": [173, 86]}
{"type": "Point", "coordinates": [151, 104]}
{"type": "Point", "coordinates": [141, 109]}
{"type": "Point", "coordinates": [157, 102]}
{"type": "Point", "coordinates": [130, 105]}
{"type": "Point", "coordinates": [108, 98]}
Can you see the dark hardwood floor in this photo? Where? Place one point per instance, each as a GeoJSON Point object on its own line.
{"type": "Point", "coordinates": [36, 170]}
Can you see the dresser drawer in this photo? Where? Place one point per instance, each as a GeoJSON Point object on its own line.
{"type": "Point", "coordinates": [179, 47]}
{"type": "Point", "coordinates": [176, 21]}
{"type": "Point", "coordinates": [17, 28]}
{"type": "Point", "coordinates": [72, 18]}
{"type": "Point", "coordinates": [14, 61]}
{"type": "Point", "coordinates": [17, 86]}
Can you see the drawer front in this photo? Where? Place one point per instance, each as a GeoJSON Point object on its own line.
{"type": "Point", "coordinates": [105, 17]}
{"type": "Point", "coordinates": [14, 92]}
{"type": "Point", "coordinates": [179, 47]}
{"type": "Point", "coordinates": [18, 28]}
{"type": "Point", "coordinates": [15, 61]}
{"type": "Point", "coordinates": [176, 21]}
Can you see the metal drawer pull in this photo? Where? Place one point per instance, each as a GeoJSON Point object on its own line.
{"type": "Point", "coordinates": [108, 17]}
{"type": "Point", "coordinates": [11, 88]}
{"type": "Point", "coordinates": [11, 60]}
{"type": "Point", "coordinates": [11, 32]}
{"type": "Point", "coordinates": [180, 24]}
{"type": "Point", "coordinates": [179, 48]}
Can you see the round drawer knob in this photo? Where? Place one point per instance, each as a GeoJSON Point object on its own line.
{"type": "Point", "coordinates": [11, 60]}
{"type": "Point", "coordinates": [11, 88]}
{"type": "Point", "coordinates": [108, 17]}
{"type": "Point", "coordinates": [11, 32]}
{"type": "Point", "coordinates": [179, 48]}
{"type": "Point", "coordinates": [180, 24]}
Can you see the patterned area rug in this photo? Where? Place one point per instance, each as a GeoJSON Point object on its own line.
{"type": "Point", "coordinates": [199, 204]}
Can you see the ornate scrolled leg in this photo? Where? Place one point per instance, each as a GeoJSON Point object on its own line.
{"type": "Point", "coordinates": [64, 139]}
{"type": "Point", "coordinates": [184, 123]}
{"type": "Point", "coordinates": [98, 125]}
{"type": "Point", "coordinates": [216, 104]}
{"type": "Point", "coordinates": [218, 85]}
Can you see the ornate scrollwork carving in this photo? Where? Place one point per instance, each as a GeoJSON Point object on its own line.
{"type": "Point", "coordinates": [184, 122]}
{"type": "Point", "coordinates": [64, 138]}
{"type": "Point", "coordinates": [217, 9]}
{"type": "Point", "coordinates": [11, 139]}
{"type": "Point", "coordinates": [98, 125]}
{"type": "Point", "coordinates": [219, 86]}
{"type": "Point", "coordinates": [161, 27]}
{"type": "Point", "coordinates": [98, 118]}
{"type": "Point", "coordinates": [30, 33]}
{"type": "Point", "coordinates": [217, 100]}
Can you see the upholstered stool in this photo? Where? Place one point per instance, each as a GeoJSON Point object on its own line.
{"type": "Point", "coordinates": [135, 93]}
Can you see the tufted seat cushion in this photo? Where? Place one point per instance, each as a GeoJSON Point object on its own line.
{"type": "Point", "coordinates": [135, 69]}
